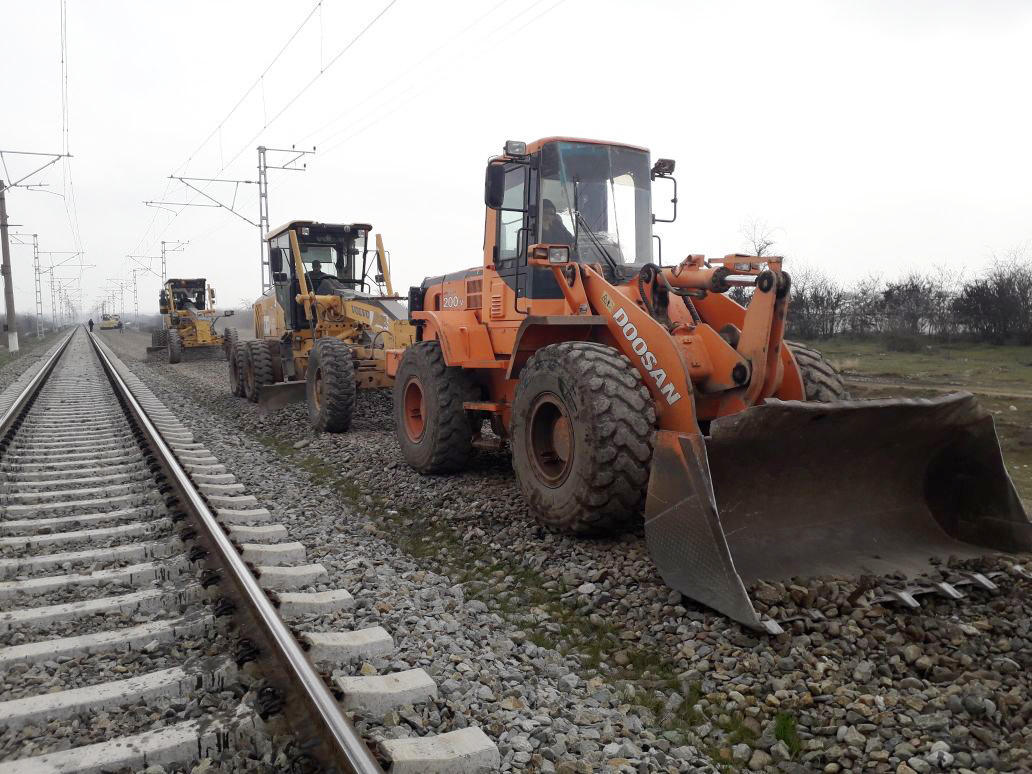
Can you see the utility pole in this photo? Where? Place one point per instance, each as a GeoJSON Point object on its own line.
{"type": "Point", "coordinates": [263, 218]}
{"type": "Point", "coordinates": [36, 272]}
{"type": "Point", "coordinates": [5, 247]}
{"type": "Point", "coordinates": [73, 254]}
{"type": "Point", "coordinates": [290, 165]}
{"type": "Point", "coordinates": [177, 246]}
{"type": "Point", "coordinates": [39, 286]}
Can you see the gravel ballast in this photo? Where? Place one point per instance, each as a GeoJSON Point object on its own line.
{"type": "Point", "coordinates": [573, 655]}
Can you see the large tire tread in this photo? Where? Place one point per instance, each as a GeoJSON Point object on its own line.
{"type": "Point", "coordinates": [334, 358]}
{"type": "Point", "coordinates": [260, 364]}
{"type": "Point", "coordinates": [175, 346]}
{"type": "Point", "coordinates": [610, 494]}
{"type": "Point", "coordinates": [236, 369]}
{"type": "Point", "coordinates": [821, 382]}
{"type": "Point", "coordinates": [229, 341]}
{"type": "Point", "coordinates": [452, 438]}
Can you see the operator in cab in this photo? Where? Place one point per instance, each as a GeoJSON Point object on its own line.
{"type": "Point", "coordinates": [553, 231]}
{"type": "Point", "coordinates": [317, 275]}
{"type": "Point", "coordinates": [183, 300]}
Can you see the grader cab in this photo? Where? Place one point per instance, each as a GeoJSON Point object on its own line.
{"type": "Point", "coordinates": [630, 391]}
{"type": "Point", "coordinates": [188, 318]}
{"type": "Point", "coordinates": [322, 330]}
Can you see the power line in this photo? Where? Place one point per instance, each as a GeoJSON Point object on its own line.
{"type": "Point", "coordinates": [252, 87]}
{"type": "Point", "coordinates": [259, 81]}
{"type": "Point", "coordinates": [297, 95]}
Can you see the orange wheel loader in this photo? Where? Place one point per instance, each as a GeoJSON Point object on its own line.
{"type": "Point", "coordinates": [629, 389]}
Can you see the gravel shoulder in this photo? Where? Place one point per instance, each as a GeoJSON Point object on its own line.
{"type": "Point", "coordinates": [574, 656]}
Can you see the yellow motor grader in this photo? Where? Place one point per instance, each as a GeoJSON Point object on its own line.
{"type": "Point", "coordinates": [323, 328]}
{"type": "Point", "coordinates": [188, 318]}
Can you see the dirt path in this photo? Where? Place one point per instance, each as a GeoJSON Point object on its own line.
{"type": "Point", "coordinates": [1010, 392]}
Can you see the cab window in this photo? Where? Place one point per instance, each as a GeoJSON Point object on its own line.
{"type": "Point", "coordinates": [511, 216]}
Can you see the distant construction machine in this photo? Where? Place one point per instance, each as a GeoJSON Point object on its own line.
{"type": "Point", "coordinates": [188, 318]}
{"type": "Point", "coordinates": [629, 389]}
{"type": "Point", "coordinates": [322, 330]}
{"type": "Point", "coordinates": [110, 322]}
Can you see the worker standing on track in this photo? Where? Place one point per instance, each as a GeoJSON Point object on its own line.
{"type": "Point", "coordinates": [91, 325]}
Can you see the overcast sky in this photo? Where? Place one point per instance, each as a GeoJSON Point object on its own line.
{"type": "Point", "coordinates": [872, 137]}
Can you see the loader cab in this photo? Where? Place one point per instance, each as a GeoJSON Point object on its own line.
{"type": "Point", "coordinates": [340, 249]}
{"type": "Point", "coordinates": [594, 197]}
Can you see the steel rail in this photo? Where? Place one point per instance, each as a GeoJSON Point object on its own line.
{"type": "Point", "coordinates": [29, 392]}
{"type": "Point", "coordinates": [338, 745]}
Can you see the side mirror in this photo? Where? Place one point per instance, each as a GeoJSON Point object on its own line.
{"type": "Point", "coordinates": [494, 186]}
{"type": "Point", "coordinates": [230, 312]}
{"type": "Point", "coordinates": [275, 260]}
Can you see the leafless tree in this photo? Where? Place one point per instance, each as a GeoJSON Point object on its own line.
{"type": "Point", "coordinates": [759, 236]}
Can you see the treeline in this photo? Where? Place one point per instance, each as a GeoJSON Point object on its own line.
{"type": "Point", "coordinates": [995, 307]}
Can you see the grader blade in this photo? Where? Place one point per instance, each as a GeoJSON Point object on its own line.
{"type": "Point", "coordinates": [273, 397]}
{"type": "Point", "coordinates": [209, 352]}
{"type": "Point", "coordinates": [792, 489]}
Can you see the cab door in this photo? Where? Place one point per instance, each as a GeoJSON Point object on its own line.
{"type": "Point", "coordinates": [513, 230]}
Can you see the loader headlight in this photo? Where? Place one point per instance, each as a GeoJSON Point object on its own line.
{"type": "Point", "coordinates": [515, 148]}
{"type": "Point", "coordinates": [559, 254]}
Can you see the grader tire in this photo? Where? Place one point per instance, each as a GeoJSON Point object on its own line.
{"type": "Point", "coordinates": [330, 389]}
{"type": "Point", "coordinates": [155, 338]}
{"type": "Point", "coordinates": [432, 426]}
{"type": "Point", "coordinates": [257, 370]}
{"type": "Point", "coordinates": [236, 369]}
{"type": "Point", "coordinates": [175, 347]}
{"type": "Point", "coordinates": [229, 342]}
{"type": "Point", "coordinates": [583, 429]}
{"type": "Point", "coordinates": [276, 357]}
{"type": "Point", "coordinates": [821, 382]}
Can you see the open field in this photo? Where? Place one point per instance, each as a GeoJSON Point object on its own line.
{"type": "Point", "coordinates": [968, 366]}
{"type": "Point", "coordinates": [1000, 376]}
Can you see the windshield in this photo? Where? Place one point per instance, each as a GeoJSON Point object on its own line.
{"type": "Point", "coordinates": [597, 199]}
{"type": "Point", "coordinates": [343, 257]}
{"type": "Point", "coordinates": [325, 255]}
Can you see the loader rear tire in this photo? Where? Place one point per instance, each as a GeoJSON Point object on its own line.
{"type": "Point", "coordinates": [175, 347]}
{"type": "Point", "coordinates": [257, 369]}
{"type": "Point", "coordinates": [236, 369]}
{"type": "Point", "coordinates": [822, 383]}
{"type": "Point", "coordinates": [433, 427]}
{"type": "Point", "coordinates": [583, 428]}
{"type": "Point", "coordinates": [229, 342]}
{"type": "Point", "coordinates": [330, 391]}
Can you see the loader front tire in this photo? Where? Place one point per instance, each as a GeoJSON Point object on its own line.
{"type": "Point", "coordinates": [175, 347]}
{"type": "Point", "coordinates": [583, 428]}
{"type": "Point", "coordinates": [431, 423]}
{"type": "Point", "coordinates": [331, 388]}
{"type": "Point", "coordinates": [821, 382]}
{"type": "Point", "coordinates": [257, 368]}
{"type": "Point", "coordinates": [229, 342]}
{"type": "Point", "coordinates": [236, 369]}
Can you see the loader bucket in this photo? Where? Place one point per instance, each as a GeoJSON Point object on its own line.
{"type": "Point", "coordinates": [793, 489]}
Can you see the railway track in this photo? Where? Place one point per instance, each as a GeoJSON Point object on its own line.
{"type": "Point", "coordinates": [146, 602]}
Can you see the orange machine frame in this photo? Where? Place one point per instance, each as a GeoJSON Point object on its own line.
{"type": "Point", "coordinates": [689, 368]}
